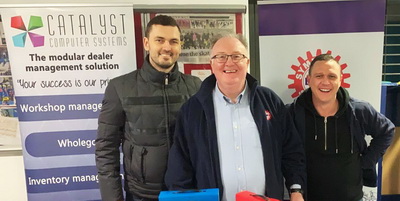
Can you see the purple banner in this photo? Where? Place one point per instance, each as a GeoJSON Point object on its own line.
{"type": "Point", "coordinates": [61, 179]}
{"type": "Point", "coordinates": [61, 143]}
{"type": "Point", "coordinates": [322, 17]}
{"type": "Point", "coordinates": [58, 107]}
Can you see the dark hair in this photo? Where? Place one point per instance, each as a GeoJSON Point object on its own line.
{"type": "Point", "coordinates": [163, 20]}
{"type": "Point", "coordinates": [321, 57]}
{"type": "Point", "coordinates": [240, 37]}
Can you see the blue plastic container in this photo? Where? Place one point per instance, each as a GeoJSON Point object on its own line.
{"type": "Point", "coordinates": [190, 195]}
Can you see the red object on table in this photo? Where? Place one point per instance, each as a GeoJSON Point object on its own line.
{"type": "Point", "coordinates": [250, 196]}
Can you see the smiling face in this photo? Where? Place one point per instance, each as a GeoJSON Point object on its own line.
{"type": "Point", "coordinates": [324, 81]}
{"type": "Point", "coordinates": [164, 46]}
{"type": "Point", "coordinates": [229, 74]}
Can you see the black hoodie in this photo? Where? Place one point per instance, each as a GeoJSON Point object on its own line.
{"type": "Point", "coordinates": [333, 158]}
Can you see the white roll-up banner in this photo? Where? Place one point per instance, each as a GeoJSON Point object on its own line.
{"type": "Point", "coordinates": [62, 58]}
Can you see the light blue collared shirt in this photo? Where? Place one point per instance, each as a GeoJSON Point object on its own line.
{"type": "Point", "coordinates": [239, 146]}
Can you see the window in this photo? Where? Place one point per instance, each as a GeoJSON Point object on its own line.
{"type": "Point", "coordinates": [391, 52]}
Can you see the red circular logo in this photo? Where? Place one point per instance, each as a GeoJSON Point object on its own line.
{"type": "Point", "coordinates": [301, 71]}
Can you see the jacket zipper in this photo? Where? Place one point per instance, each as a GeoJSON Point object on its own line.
{"type": "Point", "coordinates": [166, 110]}
{"type": "Point", "coordinates": [143, 153]}
{"type": "Point", "coordinates": [326, 130]}
{"type": "Point", "coordinates": [166, 80]}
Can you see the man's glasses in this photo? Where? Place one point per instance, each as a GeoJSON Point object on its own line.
{"type": "Point", "coordinates": [222, 58]}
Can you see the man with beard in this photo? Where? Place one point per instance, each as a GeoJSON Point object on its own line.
{"type": "Point", "coordinates": [138, 112]}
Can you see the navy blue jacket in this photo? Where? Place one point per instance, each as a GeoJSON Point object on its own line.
{"type": "Point", "coordinates": [194, 160]}
{"type": "Point", "coordinates": [363, 120]}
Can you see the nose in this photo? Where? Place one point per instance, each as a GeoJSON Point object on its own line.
{"type": "Point", "coordinates": [229, 60]}
{"type": "Point", "coordinates": [325, 80]}
{"type": "Point", "coordinates": [166, 46]}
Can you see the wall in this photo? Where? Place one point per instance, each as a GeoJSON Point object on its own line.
{"type": "Point", "coordinates": [134, 2]}
{"type": "Point", "coordinates": [12, 182]}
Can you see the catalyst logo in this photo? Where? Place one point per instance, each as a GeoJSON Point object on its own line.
{"type": "Point", "coordinates": [301, 72]}
{"type": "Point", "coordinates": [35, 22]}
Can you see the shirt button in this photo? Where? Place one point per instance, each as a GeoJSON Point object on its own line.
{"type": "Point", "coordinates": [237, 147]}
{"type": "Point", "coordinates": [239, 168]}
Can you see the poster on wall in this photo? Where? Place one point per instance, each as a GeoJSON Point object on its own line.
{"type": "Point", "coordinates": [197, 31]}
{"type": "Point", "coordinates": [288, 46]}
{"type": "Point", "coordinates": [304, 30]}
{"type": "Point", "coordinates": [62, 58]}
{"type": "Point", "coordinates": [10, 139]}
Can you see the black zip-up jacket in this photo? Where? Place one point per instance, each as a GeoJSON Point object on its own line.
{"type": "Point", "coordinates": [343, 140]}
{"type": "Point", "coordinates": [139, 111]}
{"type": "Point", "coordinates": [332, 155]}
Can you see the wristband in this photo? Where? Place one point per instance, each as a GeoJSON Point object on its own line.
{"type": "Point", "coordinates": [296, 190]}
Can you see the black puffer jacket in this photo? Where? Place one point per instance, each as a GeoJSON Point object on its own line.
{"type": "Point", "coordinates": [139, 111]}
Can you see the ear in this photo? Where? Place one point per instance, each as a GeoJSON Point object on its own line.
{"type": "Point", "coordinates": [212, 69]}
{"type": "Point", "coordinates": [146, 44]}
{"type": "Point", "coordinates": [308, 79]}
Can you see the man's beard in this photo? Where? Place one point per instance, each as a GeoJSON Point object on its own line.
{"type": "Point", "coordinates": [163, 65]}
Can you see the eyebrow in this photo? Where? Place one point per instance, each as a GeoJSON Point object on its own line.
{"type": "Point", "coordinates": [236, 52]}
{"type": "Point", "coordinates": [324, 74]}
{"type": "Point", "coordinates": [161, 37]}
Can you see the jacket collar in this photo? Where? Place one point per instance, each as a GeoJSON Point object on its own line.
{"type": "Point", "coordinates": [208, 86]}
{"type": "Point", "coordinates": [149, 73]}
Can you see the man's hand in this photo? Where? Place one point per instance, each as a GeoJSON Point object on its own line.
{"type": "Point", "coordinates": [296, 196]}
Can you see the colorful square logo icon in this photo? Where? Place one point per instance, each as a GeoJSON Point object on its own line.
{"type": "Point", "coordinates": [35, 22]}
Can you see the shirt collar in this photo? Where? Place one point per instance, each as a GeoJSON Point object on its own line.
{"type": "Point", "coordinates": [242, 96]}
